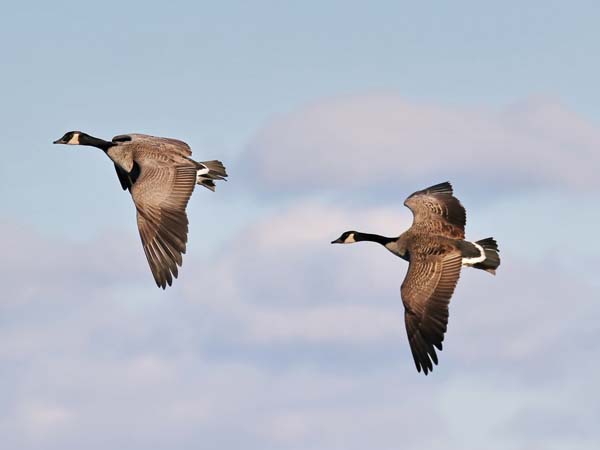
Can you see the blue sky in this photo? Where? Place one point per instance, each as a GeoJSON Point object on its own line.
{"type": "Point", "coordinates": [327, 115]}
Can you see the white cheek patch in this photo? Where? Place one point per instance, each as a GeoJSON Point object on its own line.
{"type": "Point", "coordinates": [74, 140]}
{"type": "Point", "coordinates": [350, 239]}
{"type": "Point", "coordinates": [478, 259]}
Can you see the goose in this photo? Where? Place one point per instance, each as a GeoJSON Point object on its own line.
{"type": "Point", "coordinates": [436, 249]}
{"type": "Point", "coordinates": [160, 175]}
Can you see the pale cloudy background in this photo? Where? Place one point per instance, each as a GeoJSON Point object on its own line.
{"type": "Point", "coordinates": [327, 114]}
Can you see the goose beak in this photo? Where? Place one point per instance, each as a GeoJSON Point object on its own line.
{"type": "Point", "coordinates": [337, 241]}
{"type": "Point", "coordinates": [57, 141]}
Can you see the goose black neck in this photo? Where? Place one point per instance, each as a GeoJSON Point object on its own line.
{"type": "Point", "coordinates": [86, 139]}
{"type": "Point", "coordinates": [373, 238]}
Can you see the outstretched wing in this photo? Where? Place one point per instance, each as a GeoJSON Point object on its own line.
{"type": "Point", "coordinates": [161, 195]}
{"type": "Point", "coordinates": [436, 211]}
{"type": "Point", "coordinates": [426, 293]}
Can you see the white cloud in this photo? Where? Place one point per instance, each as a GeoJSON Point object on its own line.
{"type": "Point", "coordinates": [282, 341]}
{"type": "Point", "coordinates": [369, 140]}
{"type": "Point", "coordinates": [41, 419]}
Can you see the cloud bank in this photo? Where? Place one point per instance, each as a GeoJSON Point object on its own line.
{"type": "Point", "coordinates": [371, 140]}
{"type": "Point", "coordinates": [286, 342]}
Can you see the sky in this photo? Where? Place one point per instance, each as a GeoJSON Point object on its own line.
{"type": "Point", "coordinates": [327, 115]}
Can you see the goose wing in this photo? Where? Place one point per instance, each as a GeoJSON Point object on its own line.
{"type": "Point", "coordinates": [161, 195]}
{"type": "Point", "coordinates": [426, 293]}
{"type": "Point", "coordinates": [437, 211]}
{"type": "Point", "coordinates": [161, 144]}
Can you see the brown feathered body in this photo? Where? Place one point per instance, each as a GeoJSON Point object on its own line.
{"type": "Point", "coordinates": [436, 249]}
{"type": "Point", "coordinates": [160, 175]}
{"type": "Point", "coordinates": [161, 179]}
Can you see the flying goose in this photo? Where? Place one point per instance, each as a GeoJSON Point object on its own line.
{"type": "Point", "coordinates": [436, 249]}
{"type": "Point", "coordinates": [160, 175]}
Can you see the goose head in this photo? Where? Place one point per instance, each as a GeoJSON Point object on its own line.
{"type": "Point", "coordinates": [80, 138]}
{"type": "Point", "coordinates": [348, 237]}
{"type": "Point", "coordinates": [73, 138]}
